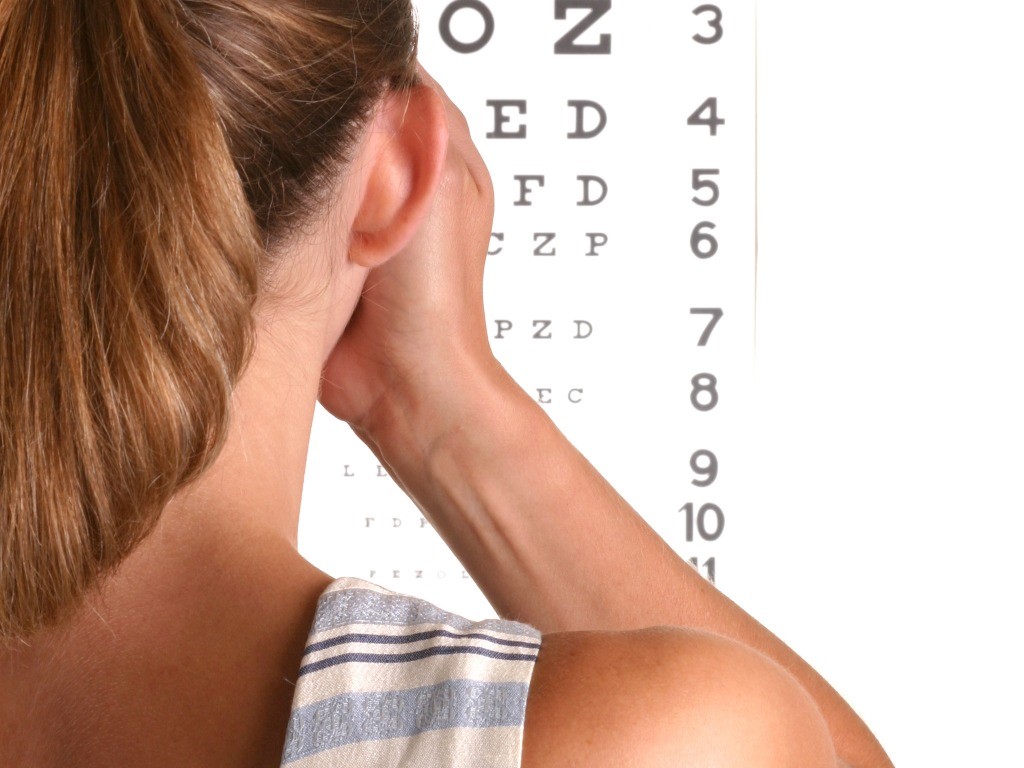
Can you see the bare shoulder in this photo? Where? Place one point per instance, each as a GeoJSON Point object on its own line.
{"type": "Point", "coordinates": [667, 696]}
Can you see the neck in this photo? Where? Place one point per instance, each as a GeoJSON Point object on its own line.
{"type": "Point", "coordinates": [255, 484]}
{"type": "Point", "coordinates": [213, 606]}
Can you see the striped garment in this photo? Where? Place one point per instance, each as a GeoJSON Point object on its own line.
{"type": "Point", "coordinates": [389, 680]}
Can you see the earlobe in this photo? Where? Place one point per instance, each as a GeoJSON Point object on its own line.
{"type": "Point", "coordinates": [404, 158]}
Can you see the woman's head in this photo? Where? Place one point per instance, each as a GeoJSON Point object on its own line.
{"type": "Point", "coordinates": [156, 158]}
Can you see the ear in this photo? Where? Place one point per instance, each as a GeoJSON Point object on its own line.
{"type": "Point", "coordinates": [402, 162]}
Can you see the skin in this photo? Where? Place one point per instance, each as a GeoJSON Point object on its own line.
{"type": "Point", "coordinates": [214, 607]}
{"type": "Point", "coordinates": [187, 655]}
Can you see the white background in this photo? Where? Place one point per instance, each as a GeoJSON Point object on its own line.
{"type": "Point", "coordinates": [885, 433]}
{"type": "Point", "coordinates": [889, 366]}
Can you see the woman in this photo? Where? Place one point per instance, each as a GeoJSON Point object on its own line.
{"type": "Point", "coordinates": [214, 213]}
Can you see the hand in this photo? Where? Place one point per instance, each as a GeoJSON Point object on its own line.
{"type": "Point", "coordinates": [419, 328]}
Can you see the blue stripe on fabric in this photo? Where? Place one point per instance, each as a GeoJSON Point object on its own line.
{"type": "Point", "coordinates": [354, 605]}
{"type": "Point", "coordinates": [372, 716]}
{"type": "Point", "coordinates": [413, 638]}
{"type": "Point", "coordinates": [397, 658]}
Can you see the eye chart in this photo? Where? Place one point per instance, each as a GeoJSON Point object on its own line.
{"type": "Point", "coordinates": [619, 285]}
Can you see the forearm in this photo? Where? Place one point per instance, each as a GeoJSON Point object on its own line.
{"type": "Point", "coordinates": [551, 543]}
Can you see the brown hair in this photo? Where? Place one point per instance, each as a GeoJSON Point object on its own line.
{"type": "Point", "coordinates": [154, 155]}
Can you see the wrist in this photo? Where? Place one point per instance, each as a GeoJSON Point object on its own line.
{"type": "Point", "coordinates": [413, 417]}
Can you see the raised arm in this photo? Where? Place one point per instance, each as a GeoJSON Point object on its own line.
{"type": "Point", "coordinates": [550, 542]}
{"type": "Point", "coordinates": [546, 537]}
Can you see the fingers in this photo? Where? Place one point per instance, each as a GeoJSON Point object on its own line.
{"type": "Point", "coordinates": [461, 141]}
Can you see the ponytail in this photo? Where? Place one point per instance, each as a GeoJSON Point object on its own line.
{"type": "Point", "coordinates": [128, 270]}
{"type": "Point", "coordinates": [156, 156]}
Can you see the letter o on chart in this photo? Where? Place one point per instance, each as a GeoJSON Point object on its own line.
{"type": "Point", "coordinates": [448, 36]}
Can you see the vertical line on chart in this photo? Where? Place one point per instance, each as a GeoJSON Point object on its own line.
{"type": "Point", "coordinates": [755, 183]}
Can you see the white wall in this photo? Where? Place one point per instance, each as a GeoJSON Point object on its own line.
{"type": "Point", "coordinates": [889, 364]}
